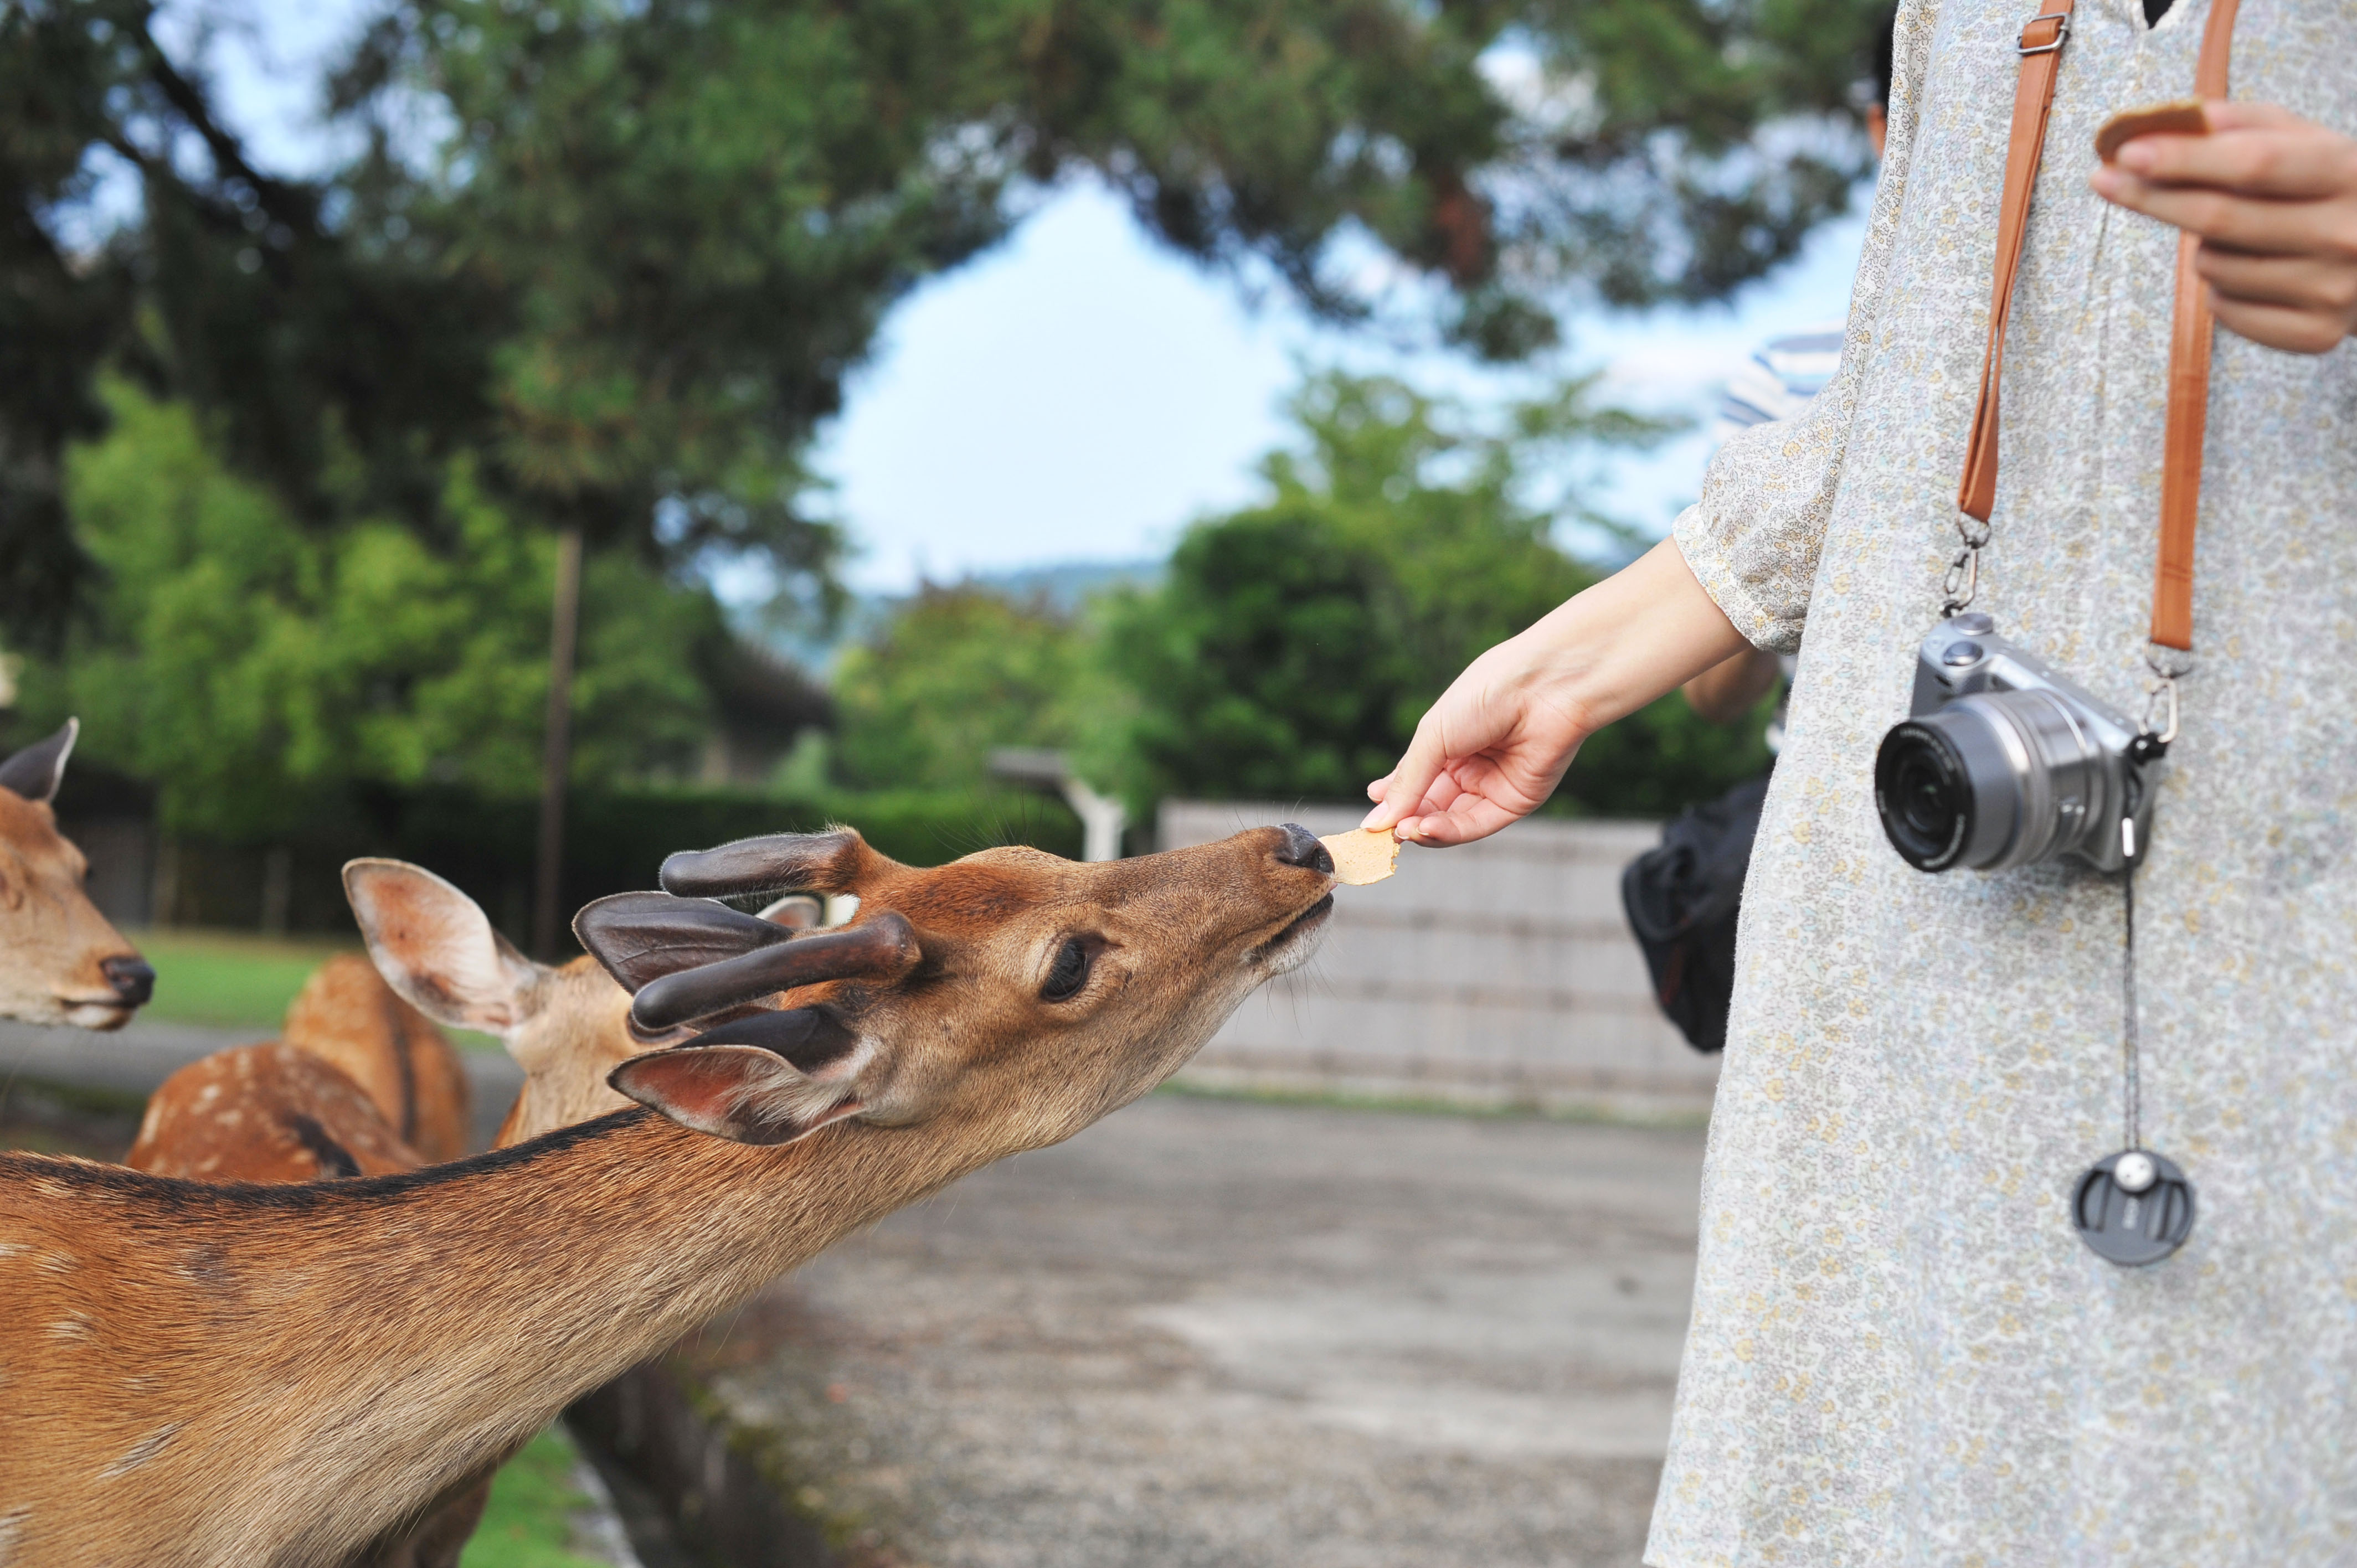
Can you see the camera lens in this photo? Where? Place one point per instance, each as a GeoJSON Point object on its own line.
{"type": "Point", "coordinates": [1925, 795]}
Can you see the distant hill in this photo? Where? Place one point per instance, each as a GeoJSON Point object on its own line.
{"type": "Point", "coordinates": [1065, 583]}
{"type": "Point", "coordinates": [1064, 586]}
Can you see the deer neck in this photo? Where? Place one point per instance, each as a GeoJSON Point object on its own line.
{"type": "Point", "coordinates": [273, 1375]}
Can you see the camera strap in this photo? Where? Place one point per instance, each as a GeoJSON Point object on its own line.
{"type": "Point", "coordinates": [2041, 47]}
{"type": "Point", "coordinates": [2135, 1207]}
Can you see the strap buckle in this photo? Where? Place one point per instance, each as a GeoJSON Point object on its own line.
{"type": "Point", "coordinates": [2061, 21]}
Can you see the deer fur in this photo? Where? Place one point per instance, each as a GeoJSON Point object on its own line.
{"type": "Point", "coordinates": [62, 961]}
{"type": "Point", "coordinates": [348, 1015]}
{"type": "Point", "coordinates": [203, 1376]}
{"type": "Point", "coordinates": [295, 1112]}
{"type": "Point", "coordinates": [270, 1112]}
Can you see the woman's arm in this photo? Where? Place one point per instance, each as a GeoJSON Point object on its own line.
{"type": "Point", "coordinates": [2274, 198]}
{"type": "Point", "coordinates": [1492, 749]}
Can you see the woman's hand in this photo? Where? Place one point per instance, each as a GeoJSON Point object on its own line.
{"type": "Point", "coordinates": [1493, 748]}
{"type": "Point", "coordinates": [2274, 198]}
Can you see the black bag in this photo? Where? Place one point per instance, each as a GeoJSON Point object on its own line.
{"type": "Point", "coordinates": [1681, 900]}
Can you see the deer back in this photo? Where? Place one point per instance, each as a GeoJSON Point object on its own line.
{"type": "Point", "coordinates": [347, 1014]}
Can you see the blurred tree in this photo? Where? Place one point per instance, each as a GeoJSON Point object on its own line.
{"type": "Point", "coordinates": [626, 252]}
{"type": "Point", "coordinates": [253, 667]}
{"type": "Point", "coordinates": [1295, 644]}
{"type": "Point", "coordinates": [957, 672]}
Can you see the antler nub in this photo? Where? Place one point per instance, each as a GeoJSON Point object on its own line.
{"type": "Point", "coordinates": [884, 947]}
{"type": "Point", "coordinates": [776, 863]}
{"type": "Point", "coordinates": [642, 936]}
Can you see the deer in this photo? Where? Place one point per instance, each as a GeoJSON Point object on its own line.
{"type": "Point", "coordinates": [296, 1110]}
{"type": "Point", "coordinates": [204, 1376]}
{"type": "Point", "coordinates": [64, 963]}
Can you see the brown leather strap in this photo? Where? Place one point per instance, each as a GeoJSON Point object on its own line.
{"type": "Point", "coordinates": [2041, 58]}
{"type": "Point", "coordinates": [2189, 388]}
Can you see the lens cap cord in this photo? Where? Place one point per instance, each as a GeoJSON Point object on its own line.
{"type": "Point", "coordinates": [2136, 1206]}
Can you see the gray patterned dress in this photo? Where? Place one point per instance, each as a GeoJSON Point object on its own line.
{"type": "Point", "coordinates": [1901, 1354]}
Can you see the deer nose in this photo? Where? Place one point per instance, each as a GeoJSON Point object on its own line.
{"type": "Point", "coordinates": [133, 977]}
{"type": "Point", "coordinates": [1301, 848]}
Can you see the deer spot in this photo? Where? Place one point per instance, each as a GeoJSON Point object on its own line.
{"type": "Point", "coordinates": [12, 1529]}
{"type": "Point", "coordinates": [72, 1325]}
{"type": "Point", "coordinates": [139, 1452]}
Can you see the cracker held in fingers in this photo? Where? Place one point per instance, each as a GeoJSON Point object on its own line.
{"type": "Point", "coordinates": [2182, 118]}
{"type": "Point", "coordinates": [1362, 854]}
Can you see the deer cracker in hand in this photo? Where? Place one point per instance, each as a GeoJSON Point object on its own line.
{"type": "Point", "coordinates": [1362, 856]}
{"type": "Point", "coordinates": [2184, 117]}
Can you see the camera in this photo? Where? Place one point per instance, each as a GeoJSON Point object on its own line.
{"type": "Point", "coordinates": [2003, 763]}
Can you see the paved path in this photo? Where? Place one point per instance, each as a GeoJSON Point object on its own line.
{"type": "Point", "coordinates": [142, 1054]}
{"type": "Point", "coordinates": [1212, 1332]}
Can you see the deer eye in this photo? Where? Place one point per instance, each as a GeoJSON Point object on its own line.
{"type": "Point", "coordinates": [1070, 972]}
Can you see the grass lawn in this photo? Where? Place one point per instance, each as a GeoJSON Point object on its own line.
{"type": "Point", "coordinates": [236, 980]}
{"type": "Point", "coordinates": [529, 1523]}
{"type": "Point", "coordinates": [230, 978]}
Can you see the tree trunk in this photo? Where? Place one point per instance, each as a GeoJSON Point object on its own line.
{"type": "Point", "coordinates": [556, 760]}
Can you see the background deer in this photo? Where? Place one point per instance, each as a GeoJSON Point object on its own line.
{"type": "Point", "coordinates": [213, 1376]}
{"type": "Point", "coordinates": [60, 960]}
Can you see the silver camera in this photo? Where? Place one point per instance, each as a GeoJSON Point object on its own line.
{"type": "Point", "coordinates": [2003, 763]}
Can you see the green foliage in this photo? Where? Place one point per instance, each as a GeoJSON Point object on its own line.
{"type": "Point", "coordinates": [1294, 645]}
{"type": "Point", "coordinates": [956, 672]}
{"type": "Point", "coordinates": [250, 667]}
{"type": "Point", "coordinates": [528, 1523]}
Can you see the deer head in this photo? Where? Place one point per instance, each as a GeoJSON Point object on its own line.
{"type": "Point", "coordinates": [219, 1376]}
{"type": "Point", "coordinates": [60, 960]}
{"type": "Point", "coordinates": [952, 988]}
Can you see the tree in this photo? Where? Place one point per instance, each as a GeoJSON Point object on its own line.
{"type": "Point", "coordinates": [1294, 645]}
{"type": "Point", "coordinates": [955, 674]}
{"type": "Point", "coordinates": [255, 669]}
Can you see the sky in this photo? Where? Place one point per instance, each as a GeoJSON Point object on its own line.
{"type": "Point", "coordinates": [1082, 393]}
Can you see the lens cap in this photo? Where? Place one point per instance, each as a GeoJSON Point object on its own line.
{"type": "Point", "coordinates": [2133, 1207]}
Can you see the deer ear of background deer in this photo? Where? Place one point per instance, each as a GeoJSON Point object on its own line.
{"type": "Point", "coordinates": [37, 771]}
{"type": "Point", "coordinates": [435, 947]}
{"type": "Point", "coordinates": [749, 1093]}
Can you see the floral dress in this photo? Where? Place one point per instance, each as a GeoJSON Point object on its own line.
{"type": "Point", "coordinates": [1900, 1351]}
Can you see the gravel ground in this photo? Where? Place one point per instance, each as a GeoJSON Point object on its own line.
{"type": "Point", "coordinates": [1221, 1332]}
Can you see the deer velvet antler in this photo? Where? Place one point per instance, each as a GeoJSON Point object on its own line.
{"type": "Point", "coordinates": [776, 863]}
{"type": "Point", "coordinates": [642, 936]}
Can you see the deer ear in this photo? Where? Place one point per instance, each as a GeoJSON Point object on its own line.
{"type": "Point", "coordinates": [37, 771]}
{"type": "Point", "coordinates": [435, 946]}
{"type": "Point", "coordinates": [741, 1092]}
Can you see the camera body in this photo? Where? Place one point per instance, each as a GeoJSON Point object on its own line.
{"type": "Point", "coordinates": [2003, 763]}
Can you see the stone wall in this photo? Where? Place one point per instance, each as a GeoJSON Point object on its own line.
{"type": "Point", "coordinates": [1500, 973]}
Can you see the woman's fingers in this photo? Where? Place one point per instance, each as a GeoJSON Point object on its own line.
{"type": "Point", "coordinates": [2294, 331]}
{"type": "Point", "coordinates": [2273, 200]}
{"type": "Point", "coordinates": [2306, 283]}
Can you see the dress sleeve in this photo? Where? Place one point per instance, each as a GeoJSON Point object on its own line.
{"type": "Point", "coordinates": [1753, 538]}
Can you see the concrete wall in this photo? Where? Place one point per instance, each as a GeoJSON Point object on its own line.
{"type": "Point", "coordinates": [1498, 973]}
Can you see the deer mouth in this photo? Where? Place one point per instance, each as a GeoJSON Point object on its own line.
{"type": "Point", "coordinates": [91, 1013]}
{"type": "Point", "coordinates": [1291, 945]}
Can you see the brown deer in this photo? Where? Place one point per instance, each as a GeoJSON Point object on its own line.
{"type": "Point", "coordinates": [60, 960]}
{"type": "Point", "coordinates": [204, 1376]}
{"type": "Point", "coordinates": [278, 1113]}
{"type": "Point", "coordinates": [347, 1014]}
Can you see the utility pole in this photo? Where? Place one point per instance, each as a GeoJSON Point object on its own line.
{"type": "Point", "coordinates": [556, 758]}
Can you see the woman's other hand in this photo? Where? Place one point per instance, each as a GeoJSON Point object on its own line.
{"type": "Point", "coordinates": [2274, 198]}
{"type": "Point", "coordinates": [1493, 747]}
